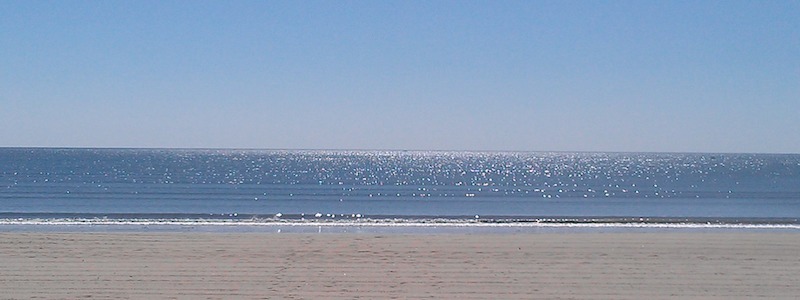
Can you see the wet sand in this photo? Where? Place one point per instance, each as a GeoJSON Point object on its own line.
{"type": "Point", "coordinates": [681, 265]}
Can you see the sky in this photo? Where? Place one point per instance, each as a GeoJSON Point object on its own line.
{"type": "Point", "coordinates": [654, 76]}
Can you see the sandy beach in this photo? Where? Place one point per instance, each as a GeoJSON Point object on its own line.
{"type": "Point", "coordinates": [710, 265]}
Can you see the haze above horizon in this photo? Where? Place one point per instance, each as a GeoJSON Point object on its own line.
{"type": "Point", "coordinates": [618, 76]}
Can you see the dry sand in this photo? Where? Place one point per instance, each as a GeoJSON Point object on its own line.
{"type": "Point", "coordinates": [719, 265]}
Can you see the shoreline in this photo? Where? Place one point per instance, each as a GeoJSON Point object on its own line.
{"type": "Point", "coordinates": [373, 226]}
{"type": "Point", "coordinates": [612, 265]}
{"type": "Point", "coordinates": [21, 220]}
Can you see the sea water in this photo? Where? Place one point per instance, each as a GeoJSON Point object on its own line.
{"type": "Point", "coordinates": [443, 188]}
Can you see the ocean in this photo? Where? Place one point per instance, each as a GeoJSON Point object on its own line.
{"type": "Point", "coordinates": [245, 187]}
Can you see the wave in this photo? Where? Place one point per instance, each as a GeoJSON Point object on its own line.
{"type": "Point", "coordinates": [358, 220]}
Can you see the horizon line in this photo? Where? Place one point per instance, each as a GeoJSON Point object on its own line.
{"type": "Point", "coordinates": [379, 150]}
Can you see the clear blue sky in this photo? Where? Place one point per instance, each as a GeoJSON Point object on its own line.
{"type": "Point", "coordinates": [675, 76]}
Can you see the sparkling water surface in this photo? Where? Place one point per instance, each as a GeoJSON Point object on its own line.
{"type": "Point", "coordinates": [304, 184]}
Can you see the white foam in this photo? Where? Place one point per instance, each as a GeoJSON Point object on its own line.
{"type": "Point", "coordinates": [387, 223]}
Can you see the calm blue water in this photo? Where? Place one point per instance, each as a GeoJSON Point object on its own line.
{"type": "Point", "coordinates": [195, 183]}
